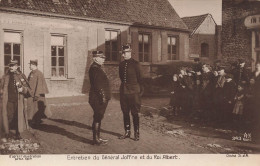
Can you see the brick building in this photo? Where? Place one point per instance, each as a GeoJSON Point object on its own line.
{"type": "Point", "coordinates": [241, 30]}
{"type": "Point", "coordinates": [61, 34]}
{"type": "Point", "coordinates": [204, 37]}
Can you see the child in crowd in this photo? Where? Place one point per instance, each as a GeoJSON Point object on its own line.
{"type": "Point", "coordinates": [175, 95]}
{"type": "Point", "coordinates": [239, 104]}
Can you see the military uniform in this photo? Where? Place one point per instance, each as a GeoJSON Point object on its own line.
{"type": "Point", "coordinates": [130, 90]}
{"type": "Point", "coordinates": [14, 110]}
{"type": "Point", "coordinates": [37, 107]}
{"type": "Point", "coordinates": [99, 95]}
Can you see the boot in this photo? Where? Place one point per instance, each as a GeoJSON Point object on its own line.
{"type": "Point", "coordinates": [98, 133]}
{"type": "Point", "coordinates": [96, 140]}
{"type": "Point", "coordinates": [126, 135]}
{"type": "Point", "coordinates": [18, 136]}
{"type": "Point", "coordinates": [136, 135]}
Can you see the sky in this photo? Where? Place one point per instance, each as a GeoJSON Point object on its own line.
{"type": "Point", "coordinates": [197, 7]}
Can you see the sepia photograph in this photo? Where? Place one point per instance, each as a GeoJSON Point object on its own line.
{"type": "Point", "coordinates": [156, 80]}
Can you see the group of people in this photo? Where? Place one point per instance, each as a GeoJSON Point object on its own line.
{"type": "Point", "coordinates": [23, 103]}
{"type": "Point", "coordinates": [217, 94]}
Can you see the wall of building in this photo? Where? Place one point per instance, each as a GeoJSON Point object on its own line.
{"type": "Point", "coordinates": [82, 38]}
{"type": "Point", "coordinates": [206, 33]}
{"type": "Point", "coordinates": [236, 38]}
{"type": "Point", "coordinates": [207, 27]}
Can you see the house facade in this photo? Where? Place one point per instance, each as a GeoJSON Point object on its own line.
{"type": "Point", "coordinates": [204, 37]}
{"type": "Point", "coordinates": [61, 34]}
{"type": "Point", "coordinates": [241, 30]}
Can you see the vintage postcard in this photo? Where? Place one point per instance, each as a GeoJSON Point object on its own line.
{"type": "Point", "coordinates": [130, 81]}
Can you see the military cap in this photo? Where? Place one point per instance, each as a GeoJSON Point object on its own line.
{"type": "Point", "coordinates": [126, 48]}
{"type": "Point", "coordinates": [34, 62]}
{"type": "Point", "coordinates": [13, 62]}
{"type": "Point", "coordinates": [99, 54]}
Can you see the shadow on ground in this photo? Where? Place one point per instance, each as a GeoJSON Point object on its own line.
{"type": "Point", "coordinates": [84, 126]}
{"type": "Point", "coordinates": [57, 130]}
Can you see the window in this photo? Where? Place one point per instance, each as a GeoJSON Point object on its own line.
{"type": "Point", "coordinates": [172, 48]}
{"type": "Point", "coordinates": [58, 56]}
{"type": "Point", "coordinates": [12, 48]}
{"type": "Point", "coordinates": [204, 50]}
{"type": "Point", "coordinates": [111, 45]}
{"type": "Point", "coordinates": [144, 47]}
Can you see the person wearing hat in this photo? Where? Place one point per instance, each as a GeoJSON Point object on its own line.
{"type": "Point", "coordinates": [229, 92]}
{"type": "Point", "coordinates": [207, 88]}
{"type": "Point", "coordinates": [218, 92]}
{"type": "Point", "coordinates": [130, 91]}
{"type": "Point", "coordinates": [240, 73]}
{"type": "Point", "coordinates": [99, 94]}
{"type": "Point", "coordinates": [37, 107]}
{"type": "Point", "coordinates": [14, 87]}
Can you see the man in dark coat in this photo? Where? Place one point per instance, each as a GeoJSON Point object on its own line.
{"type": "Point", "coordinates": [99, 94]}
{"type": "Point", "coordinates": [229, 92]}
{"type": "Point", "coordinates": [14, 87]}
{"type": "Point", "coordinates": [37, 107]}
{"type": "Point", "coordinates": [207, 87]}
{"type": "Point", "coordinates": [241, 74]}
{"type": "Point", "coordinates": [130, 90]}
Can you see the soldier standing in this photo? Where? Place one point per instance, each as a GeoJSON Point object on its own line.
{"type": "Point", "coordinates": [130, 90]}
{"type": "Point", "coordinates": [37, 106]}
{"type": "Point", "coordinates": [99, 95]}
{"type": "Point", "coordinates": [14, 88]}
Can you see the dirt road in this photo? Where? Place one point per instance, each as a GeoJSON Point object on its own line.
{"type": "Point", "coordinates": [68, 131]}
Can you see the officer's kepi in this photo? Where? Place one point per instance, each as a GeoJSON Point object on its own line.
{"type": "Point", "coordinates": [99, 54]}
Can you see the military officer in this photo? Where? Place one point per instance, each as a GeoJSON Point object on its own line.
{"type": "Point", "coordinates": [37, 107]}
{"type": "Point", "coordinates": [14, 87]}
{"type": "Point", "coordinates": [130, 90]}
{"type": "Point", "coordinates": [99, 94]}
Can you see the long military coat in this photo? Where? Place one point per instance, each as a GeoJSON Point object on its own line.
{"type": "Point", "coordinates": [22, 102]}
{"type": "Point", "coordinates": [38, 89]}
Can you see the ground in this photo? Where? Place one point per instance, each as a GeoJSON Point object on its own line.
{"type": "Point", "coordinates": [68, 131]}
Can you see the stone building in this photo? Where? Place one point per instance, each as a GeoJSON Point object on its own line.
{"type": "Point", "coordinates": [241, 30]}
{"type": "Point", "coordinates": [204, 37]}
{"type": "Point", "coordinates": [61, 34]}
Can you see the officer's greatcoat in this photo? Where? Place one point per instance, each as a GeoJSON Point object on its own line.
{"type": "Point", "coordinates": [38, 90]}
{"type": "Point", "coordinates": [100, 89]}
{"type": "Point", "coordinates": [22, 121]}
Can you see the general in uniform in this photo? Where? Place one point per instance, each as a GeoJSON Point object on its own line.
{"type": "Point", "coordinates": [14, 88]}
{"type": "Point", "coordinates": [130, 90]}
{"type": "Point", "coordinates": [37, 107]}
{"type": "Point", "coordinates": [99, 94]}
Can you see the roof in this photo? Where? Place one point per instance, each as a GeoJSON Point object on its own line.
{"type": "Point", "coordinates": [137, 12]}
{"type": "Point", "coordinates": [194, 22]}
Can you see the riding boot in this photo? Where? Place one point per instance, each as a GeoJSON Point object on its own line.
{"type": "Point", "coordinates": [126, 135]}
{"type": "Point", "coordinates": [98, 133]}
{"type": "Point", "coordinates": [136, 134]}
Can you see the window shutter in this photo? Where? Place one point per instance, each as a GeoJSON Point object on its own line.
{"type": "Point", "coordinates": [134, 43]}
{"type": "Point", "coordinates": [71, 51]}
{"type": "Point", "coordinates": [164, 46]}
{"type": "Point", "coordinates": [101, 39]}
{"type": "Point", "coordinates": [47, 55]}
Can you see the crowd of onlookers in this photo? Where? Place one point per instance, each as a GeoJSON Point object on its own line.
{"type": "Point", "coordinates": [217, 95]}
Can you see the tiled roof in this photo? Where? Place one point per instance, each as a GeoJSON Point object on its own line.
{"type": "Point", "coordinates": [194, 21]}
{"type": "Point", "coordinates": [138, 12]}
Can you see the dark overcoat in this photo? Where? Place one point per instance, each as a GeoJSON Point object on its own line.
{"type": "Point", "coordinates": [99, 84]}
